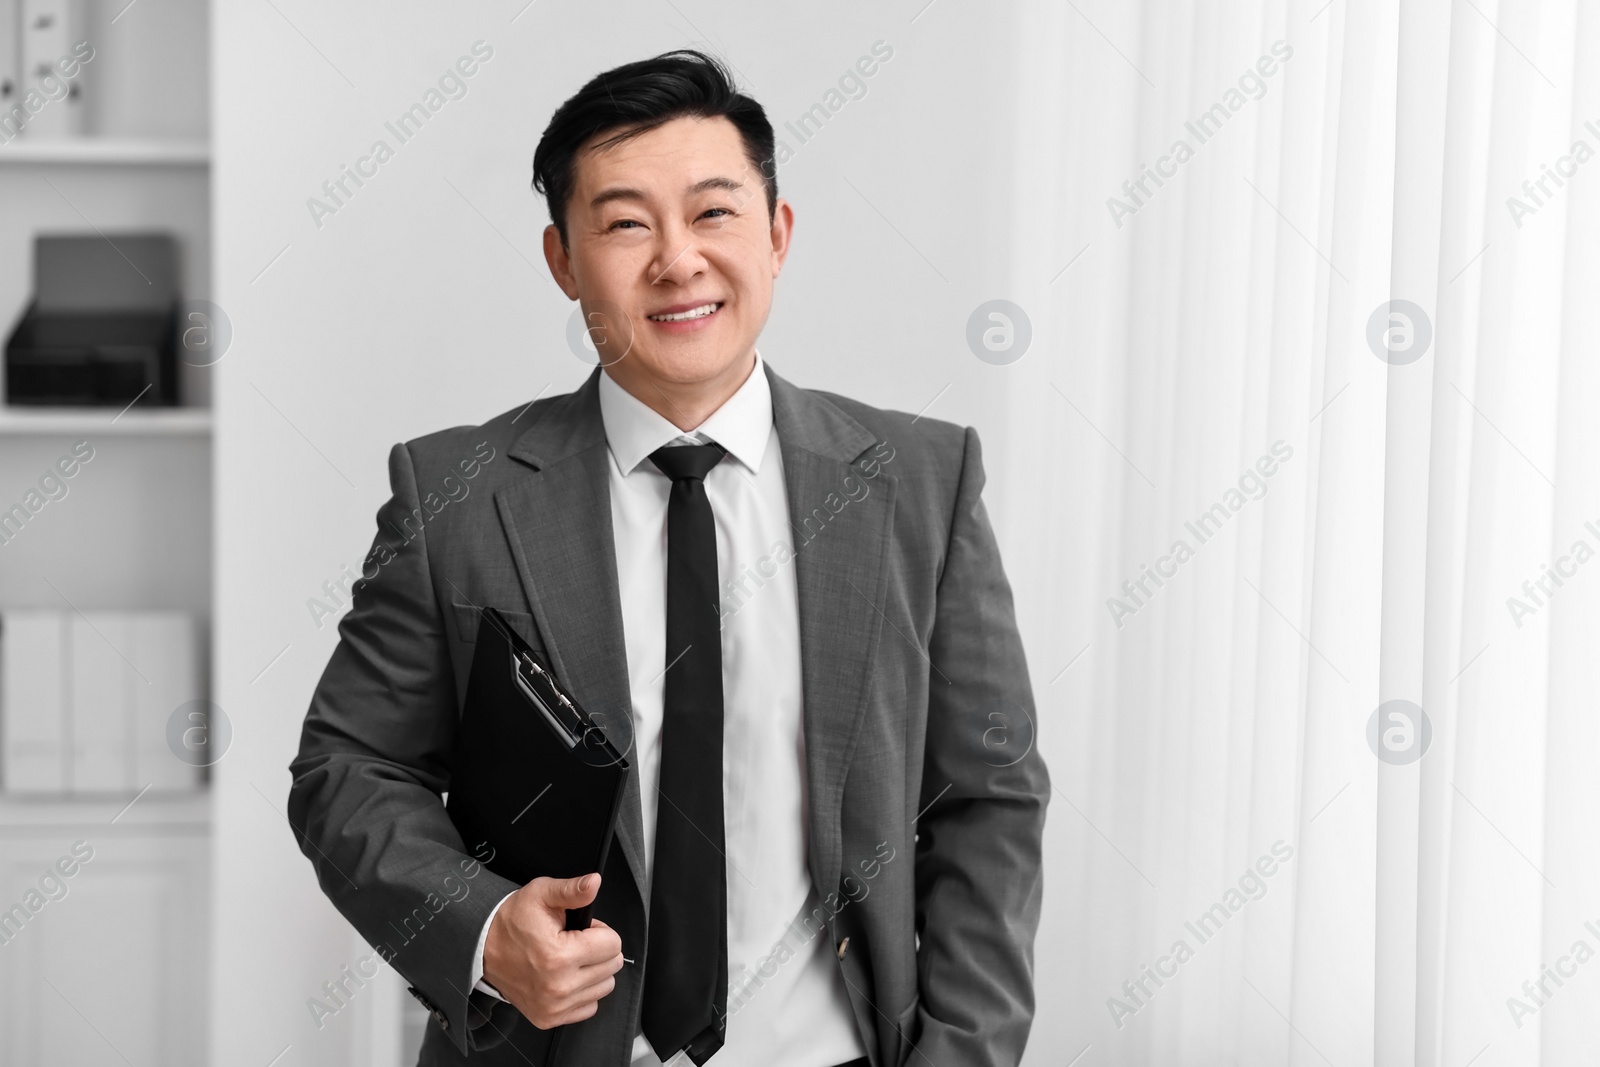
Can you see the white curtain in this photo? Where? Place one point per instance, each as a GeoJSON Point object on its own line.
{"type": "Point", "coordinates": [1380, 479]}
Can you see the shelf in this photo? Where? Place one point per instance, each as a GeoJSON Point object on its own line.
{"type": "Point", "coordinates": [189, 810]}
{"type": "Point", "coordinates": [147, 422]}
{"type": "Point", "coordinates": [107, 150]}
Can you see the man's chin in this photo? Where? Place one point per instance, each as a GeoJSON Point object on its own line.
{"type": "Point", "coordinates": [687, 365]}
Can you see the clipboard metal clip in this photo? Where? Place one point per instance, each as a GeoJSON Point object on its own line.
{"type": "Point", "coordinates": [524, 669]}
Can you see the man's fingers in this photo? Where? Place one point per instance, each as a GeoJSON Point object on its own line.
{"type": "Point", "coordinates": [593, 972]}
{"type": "Point", "coordinates": [589, 994]}
{"type": "Point", "coordinates": [576, 1006]}
{"type": "Point", "coordinates": [593, 945]}
{"type": "Point", "coordinates": [576, 1015]}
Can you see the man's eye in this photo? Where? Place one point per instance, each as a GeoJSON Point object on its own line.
{"type": "Point", "coordinates": [712, 211]}
{"type": "Point", "coordinates": [622, 222]}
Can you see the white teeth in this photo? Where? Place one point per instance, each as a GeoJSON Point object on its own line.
{"type": "Point", "coordinates": [694, 313]}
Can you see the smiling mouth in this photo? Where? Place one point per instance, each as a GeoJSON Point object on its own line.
{"type": "Point", "coordinates": [685, 316]}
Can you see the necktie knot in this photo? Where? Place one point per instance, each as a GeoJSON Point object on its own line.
{"type": "Point", "coordinates": [687, 461]}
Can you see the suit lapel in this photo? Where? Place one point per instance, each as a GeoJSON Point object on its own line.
{"type": "Point", "coordinates": [558, 523]}
{"type": "Point", "coordinates": [840, 571]}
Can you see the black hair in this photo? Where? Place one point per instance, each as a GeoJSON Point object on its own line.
{"type": "Point", "coordinates": [637, 97]}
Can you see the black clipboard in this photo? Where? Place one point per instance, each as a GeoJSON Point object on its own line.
{"type": "Point", "coordinates": [535, 786]}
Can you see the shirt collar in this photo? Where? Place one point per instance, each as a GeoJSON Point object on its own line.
{"type": "Point", "coordinates": [741, 425]}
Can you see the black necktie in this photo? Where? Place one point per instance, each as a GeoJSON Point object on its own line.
{"type": "Point", "coordinates": [686, 955]}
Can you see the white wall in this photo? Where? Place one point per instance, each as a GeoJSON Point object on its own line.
{"type": "Point", "coordinates": [424, 303]}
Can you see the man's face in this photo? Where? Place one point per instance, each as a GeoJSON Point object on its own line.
{"type": "Point", "coordinates": [671, 254]}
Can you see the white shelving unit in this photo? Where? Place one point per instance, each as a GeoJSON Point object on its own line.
{"type": "Point", "coordinates": [105, 422]}
{"type": "Point", "coordinates": [127, 944]}
{"type": "Point", "coordinates": [111, 151]}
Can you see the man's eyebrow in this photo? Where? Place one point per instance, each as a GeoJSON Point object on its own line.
{"type": "Point", "coordinates": [626, 192]}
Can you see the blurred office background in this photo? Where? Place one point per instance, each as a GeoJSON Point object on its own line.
{"type": "Point", "coordinates": [1338, 346]}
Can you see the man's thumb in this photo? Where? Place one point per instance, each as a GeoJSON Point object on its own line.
{"type": "Point", "coordinates": [573, 892]}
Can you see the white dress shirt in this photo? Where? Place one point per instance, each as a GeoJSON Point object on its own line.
{"type": "Point", "coordinates": [793, 1013]}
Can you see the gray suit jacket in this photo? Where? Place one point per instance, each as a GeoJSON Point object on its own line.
{"type": "Point", "coordinates": [926, 793]}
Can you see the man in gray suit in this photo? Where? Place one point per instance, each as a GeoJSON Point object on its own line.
{"type": "Point", "coordinates": [735, 575]}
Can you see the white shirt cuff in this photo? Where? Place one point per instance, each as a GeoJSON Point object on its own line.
{"type": "Point", "coordinates": [478, 982]}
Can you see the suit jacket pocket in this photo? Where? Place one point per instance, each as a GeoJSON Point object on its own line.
{"type": "Point", "coordinates": [467, 617]}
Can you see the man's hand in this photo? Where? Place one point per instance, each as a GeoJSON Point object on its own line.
{"type": "Point", "coordinates": [552, 975]}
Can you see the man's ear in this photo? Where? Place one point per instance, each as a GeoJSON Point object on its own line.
{"type": "Point", "coordinates": [782, 230]}
{"type": "Point", "coordinates": [560, 262]}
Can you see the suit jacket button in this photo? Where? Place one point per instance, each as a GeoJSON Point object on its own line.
{"type": "Point", "coordinates": [441, 1018]}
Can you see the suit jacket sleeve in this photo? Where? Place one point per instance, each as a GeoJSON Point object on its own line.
{"type": "Point", "coordinates": [984, 787]}
{"type": "Point", "coordinates": [374, 758]}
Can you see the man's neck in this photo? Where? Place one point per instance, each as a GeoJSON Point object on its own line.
{"type": "Point", "coordinates": [686, 406]}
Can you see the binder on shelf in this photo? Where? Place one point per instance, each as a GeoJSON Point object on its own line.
{"type": "Point", "coordinates": [32, 721]}
{"type": "Point", "coordinates": [85, 700]}
{"type": "Point", "coordinates": [100, 704]}
{"type": "Point", "coordinates": [10, 57]}
{"type": "Point", "coordinates": [48, 30]}
{"type": "Point", "coordinates": [165, 646]}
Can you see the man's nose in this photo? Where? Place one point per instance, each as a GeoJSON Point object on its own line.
{"type": "Point", "coordinates": [677, 258]}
